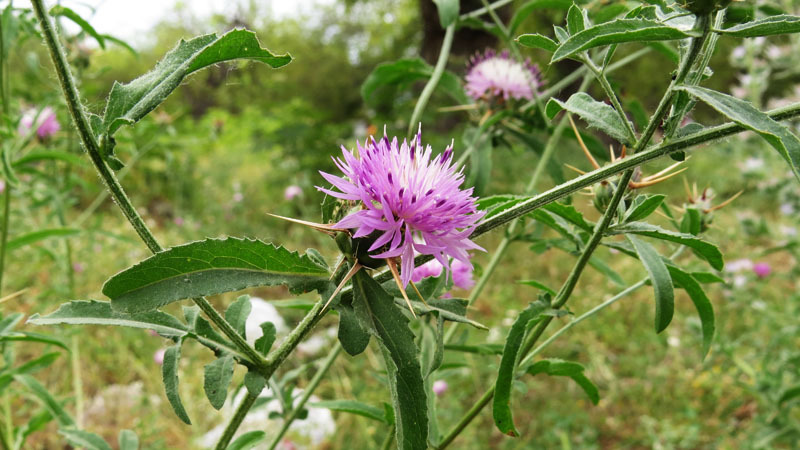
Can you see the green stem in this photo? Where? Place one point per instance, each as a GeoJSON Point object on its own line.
{"type": "Point", "coordinates": [236, 420]}
{"type": "Point", "coordinates": [601, 78]}
{"type": "Point", "coordinates": [78, 113]}
{"type": "Point", "coordinates": [387, 441]}
{"type": "Point", "coordinates": [77, 380]}
{"type": "Point", "coordinates": [438, 70]}
{"type": "Point", "coordinates": [481, 11]}
{"type": "Point", "coordinates": [309, 390]}
{"type": "Point", "coordinates": [4, 235]}
{"type": "Point", "coordinates": [499, 252]}
{"type": "Point", "coordinates": [3, 74]}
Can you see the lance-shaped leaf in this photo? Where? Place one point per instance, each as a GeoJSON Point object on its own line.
{"type": "Point", "coordinates": [501, 406]}
{"type": "Point", "coordinates": [767, 26]}
{"type": "Point", "coordinates": [390, 326]}
{"type": "Point", "coordinates": [448, 11]}
{"type": "Point", "coordinates": [237, 313]}
{"type": "Point", "coordinates": [247, 440]}
{"type": "Point", "coordinates": [84, 439]}
{"type": "Point", "coordinates": [596, 114]}
{"type": "Point", "coordinates": [746, 115]}
{"type": "Point", "coordinates": [617, 32]}
{"type": "Point", "coordinates": [643, 206]}
{"type": "Point", "coordinates": [63, 11]}
{"type": "Point", "coordinates": [703, 249]}
{"type": "Point", "coordinates": [46, 399]}
{"type": "Point", "coordinates": [353, 407]}
{"type": "Point", "coordinates": [169, 372]}
{"type": "Point", "coordinates": [127, 103]}
{"type": "Point", "coordinates": [557, 367]}
{"type": "Point", "coordinates": [217, 378]}
{"type": "Point", "coordinates": [128, 440]}
{"type": "Point", "coordinates": [39, 235]}
{"type": "Point", "coordinates": [662, 282]}
{"type": "Point", "coordinates": [210, 267]}
{"type": "Point", "coordinates": [537, 40]}
{"type": "Point", "coordinates": [705, 310]}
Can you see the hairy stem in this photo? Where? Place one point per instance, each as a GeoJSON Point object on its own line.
{"type": "Point", "coordinates": [438, 70]}
{"type": "Point", "coordinates": [601, 78]}
{"type": "Point", "coordinates": [312, 386]}
{"type": "Point", "coordinates": [236, 420]}
{"type": "Point", "coordinates": [78, 114]}
{"type": "Point", "coordinates": [481, 11]}
{"type": "Point", "coordinates": [387, 441]}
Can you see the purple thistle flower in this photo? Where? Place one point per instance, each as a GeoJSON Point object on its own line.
{"type": "Point", "coordinates": [500, 75]}
{"type": "Point", "coordinates": [45, 120]}
{"type": "Point", "coordinates": [412, 198]}
{"type": "Point", "coordinates": [462, 275]}
{"type": "Point", "coordinates": [431, 268]}
{"type": "Point", "coordinates": [762, 269]}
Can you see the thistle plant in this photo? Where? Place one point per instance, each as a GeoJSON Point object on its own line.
{"type": "Point", "coordinates": [399, 202]}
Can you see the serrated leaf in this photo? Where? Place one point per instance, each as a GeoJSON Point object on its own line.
{"type": "Point", "coordinates": [643, 206]}
{"type": "Point", "coordinates": [247, 440]}
{"type": "Point", "coordinates": [704, 249]}
{"type": "Point", "coordinates": [210, 267]}
{"type": "Point", "coordinates": [46, 399]}
{"type": "Point", "coordinates": [127, 103]}
{"type": "Point", "coordinates": [401, 73]}
{"type": "Point", "coordinates": [63, 11]}
{"type": "Point", "coordinates": [128, 440]}
{"type": "Point", "coordinates": [705, 310]}
{"type": "Point", "coordinates": [217, 378]}
{"type": "Point", "coordinates": [746, 115]}
{"type": "Point", "coordinates": [353, 407]}
{"type": "Point", "coordinates": [596, 114]}
{"type": "Point", "coordinates": [661, 280]}
{"type": "Point", "coordinates": [39, 235]}
{"type": "Point", "coordinates": [84, 439]}
{"type": "Point", "coordinates": [390, 327]}
{"type": "Point", "coordinates": [557, 367]}
{"type": "Point", "coordinates": [570, 214]}
{"type": "Point", "coordinates": [169, 373]}
{"type": "Point", "coordinates": [268, 333]}
{"type": "Point", "coordinates": [501, 405]}
{"type": "Point", "coordinates": [617, 32]}
{"type": "Point", "coordinates": [448, 11]}
{"type": "Point", "coordinates": [767, 26]}
{"type": "Point", "coordinates": [537, 40]}
{"type": "Point", "coordinates": [237, 314]}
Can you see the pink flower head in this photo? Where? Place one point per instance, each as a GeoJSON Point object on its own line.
{"type": "Point", "coordinates": [432, 268]}
{"type": "Point", "coordinates": [500, 75]}
{"type": "Point", "coordinates": [292, 191]}
{"type": "Point", "coordinates": [762, 269]}
{"type": "Point", "coordinates": [46, 123]}
{"type": "Point", "coordinates": [158, 356]}
{"type": "Point", "coordinates": [412, 198]}
{"type": "Point", "coordinates": [439, 387]}
{"type": "Point", "coordinates": [462, 275]}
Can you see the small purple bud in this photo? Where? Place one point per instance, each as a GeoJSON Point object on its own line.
{"type": "Point", "coordinates": [158, 356]}
{"type": "Point", "coordinates": [439, 387]}
{"type": "Point", "coordinates": [762, 269]}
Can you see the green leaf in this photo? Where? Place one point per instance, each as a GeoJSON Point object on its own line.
{"type": "Point", "coordinates": [570, 214]}
{"type": "Point", "coordinates": [9, 322]}
{"type": "Point", "coordinates": [767, 26]}
{"type": "Point", "coordinates": [127, 103]}
{"type": "Point", "coordinates": [537, 40]}
{"type": "Point", "coordinates": [402, 73]}
{"type": "Point", "coordinates": [643, 206]}
{"type": "Point", "coordinates": [268, 333]}
{"type": "Point", "coordinates": [27, 336]}
{"type": "Point", "coordinates": [210, 267]}
{"type": "Point", "coordinates": [352, 335]}
{"type": "Point", "coordinates": [169, 373]}
{"type": "Point", "coordinates": [217, 378]}
{"type": "Point", "coordinates": [704, 249]}
{"type": "Point", "coordinates": [557, 367]}
{"type": "Point", "coordinates": [600, 266]}
{"type": "Point", "coordinates": [525, 10]}
{"type": "Point", "coordinates": [596, 114]}
{"type": "Point", "coordinates": [46, 398]}
{"type": "Point", "coordinates": [353, 407]}
{"type": "Point", "coordinates": [575, 20]}
{"type": "Point", "coordinates": [448, 11]}
{"type": "Point", "coordinates": [48, 155]}
{"type": "Point", "coordinates": [128, 440]}
{"type": "Point", "coordinates": [390, 326]}
{"type": "Point", "coordinates": [254, 382]}
{"type": "Point", "coordinates": [237, 314]}
{"type": "Point", "coordinates": [501, 405]}
{"type": "Point", "coordinates": [84, 439]}
{"type": "Point", "coordinates": [63, 11]}
{"type": "Point", "coordinates": [28, 367]}
{"type": "Point", "coordinates": [789, 394]}
{"type": "Point", "coordinates": [691, 222]}
{"type": "Point", "coordinates": [82, 312]}
{"type": "Point", "coordinates": [538, 285]}
{"type": "Point", "coordinates": [617, 32]}
{"type": "Point", "coordinates": [247, 440]}
{"type": "Point", "coordinates": [707, 277]}
{"type": "Point", "coordinates": [662, 282]}
{"type": "Point", "coordinates": [452, 309]}
{"type": "Point", "coordinates": [39, 235]}
{"type": "Point", "coordinates": [705, 310]}
{"type": "Point", "coordinates": [746, 115]}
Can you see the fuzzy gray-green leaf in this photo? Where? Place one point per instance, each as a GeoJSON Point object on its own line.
{"type": "Point", "coordinates": [596, 114]}
{"type": "Point", "coordinates": [217, 378]}
{"type": "Point", "coordinates": [767, 26]}
{"type": "Point", "coordinates": [169, 372]}
{"type": "Point", "coordinates": [210, 267]}
{"type": "Point", "coordinates": [662, 282]}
